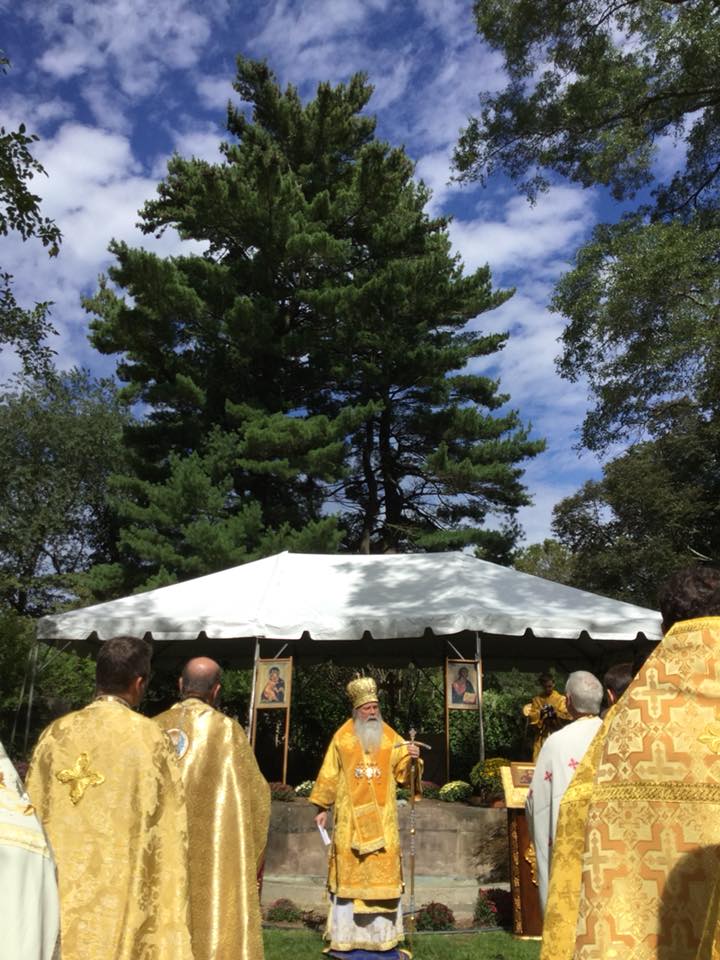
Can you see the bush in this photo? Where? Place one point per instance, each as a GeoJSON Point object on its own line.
{"type": "Point", "coordinates": [430, 790]}
{"type": "Point", "coordinates": [434, 916]}
{"type": "Point", "coordinates": [486, 912]}
{"type": "Point", "coordinates": [281, 791]}
{"type": "Point", "coordinates": [283, 911]}
{"type": "Point", "coordinates": [485, 778]}
{"type": "Point", "coordinates": [455, 792]}
{"type": "Point", "coordinates": [314, 919]}
{"type": "Point", "coordinates": [503, 905]}
{"type": "Point", "coordinates": [305, 788]}
{"type": "Point", "coordinates": [402, 793]}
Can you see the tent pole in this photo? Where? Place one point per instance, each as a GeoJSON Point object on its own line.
{"type": "Point", "coordinates": [31, 692]}
{"type": "Point", "coordinates": [250, 729]}
{"type": "Point", "coordinates": [478, 658]}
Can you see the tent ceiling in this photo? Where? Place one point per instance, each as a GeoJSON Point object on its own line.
{"type": "Point", "coordinates": [361, 609]}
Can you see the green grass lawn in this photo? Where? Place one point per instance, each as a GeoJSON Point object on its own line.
{"type": "Point", "coordinates": [304, 945]}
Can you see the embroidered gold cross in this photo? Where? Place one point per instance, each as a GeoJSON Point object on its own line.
{"type": "Point", "coordinates": [80, 777]}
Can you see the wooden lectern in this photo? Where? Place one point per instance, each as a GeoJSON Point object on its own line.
{"type": "Point", "coordinates": [527, 916]}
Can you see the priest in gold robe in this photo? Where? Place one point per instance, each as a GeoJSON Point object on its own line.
{"type": "Point", "coordinates": [228, 806]}
{"type": "Point", "coordinates": [561, 911]}
{"type": "Point", "coordinates": [365, 761]}
{"type": "Point", "coordinates": [105, 785]}
{"type": "Point", "coordinates": [652, 842]}
{"type": "Point", "coordinates": [546, 713]}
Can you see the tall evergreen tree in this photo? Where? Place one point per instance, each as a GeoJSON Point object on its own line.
{"type": "Point", "coordinates": [320, 341]}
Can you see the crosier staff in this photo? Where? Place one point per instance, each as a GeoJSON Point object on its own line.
{"type": "Point", "coordinates": [413, 746]}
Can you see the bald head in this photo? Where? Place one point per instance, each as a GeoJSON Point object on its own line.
{"type": "Point", "coordinates": [201, 678]}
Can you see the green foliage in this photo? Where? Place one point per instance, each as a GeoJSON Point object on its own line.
{"type": "Point", "coordinates": [592, 88]}
{"type": "Point", "coordinates": [59, 440]}
{"type": "Point", "coordinates": [456, 791]}
{"type": "Point", "coordinates": [654, 505]}
{"type": "Point", "coordinates": [304, 378]}
{"type": "Point", "coordinates": [485, 778]}
{"type": "Point", "coordinates": [505, 694]}
{"type": "Point", "coordinates": [64, 681]}
{"type": "Point", "coordinates": [283, 911]}
{"type": "Point", "coordinates": [550, 559]}
{"type": "Point", "coordinates": [485, 913]}
{"type": "Point", "coordinates": [24, 330]}
{"type": "Point", "coordinates": [434, 916]}
{"type": "Point", "coordinates": [430, 790]}
{"type": "Point", "coordinates": [402, 793]}
{"type": "Point", "coordinates": [595, 89]}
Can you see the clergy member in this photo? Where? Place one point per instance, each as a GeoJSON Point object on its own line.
{"type": "Point", "coordinates": [363, 764]}
{"type": "Point", "coordinates": [561, 911]}
{"type": "Point", "coordinates": [652, 842]}
{"type": "Point", "coordinates": [105, 784]}
{"type": "Point", "coordinates": [29, 905]}
{"type": "Point", "coordinates": [555, 767]}
{"type": "Point", "coordinates": [546, 713]}
{"type": "Point", "coordinates": [228, 806]}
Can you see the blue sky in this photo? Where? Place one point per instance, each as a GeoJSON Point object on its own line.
{"type": "Point", "coordinates": [113, 88]}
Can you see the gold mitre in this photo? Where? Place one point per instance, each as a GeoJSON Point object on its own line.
{"type": "Point", "coordinates": [362, 690]}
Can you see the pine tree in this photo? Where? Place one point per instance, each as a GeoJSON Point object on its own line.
{"type": "Point", "coordinates": [319, 340]}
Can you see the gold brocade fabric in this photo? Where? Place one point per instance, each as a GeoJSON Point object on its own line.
{"type": "Point", "coordinates": [652, 845]}
{"type": "Point", "coordinates": [566, 866]}
{"type": "Point", "coordinates": [543, 726]}
{"type": "Point", "coordinates": [228, 810]}
{"type": "Point", "coordinates": [121, 845]}
{"type": "Point", "coordinates": [365, 814]}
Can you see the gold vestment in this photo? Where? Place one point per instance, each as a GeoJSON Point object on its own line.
{"type": "Point", "coordinates": [652, 842]}
{"type": "Point", "coordinates": [561, 911]}
{"type": "Point", "coordinates": [544, 725]}
{"type": "Point", "coordinates": [365, 859]}
{"type": "Point", "coordinates": [105, 785]}
{"type": "Point", "coordinates": [228, 812]}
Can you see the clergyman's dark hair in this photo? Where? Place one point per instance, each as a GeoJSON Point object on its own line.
{"type": "Point", "coordinates": [120, 661]}
{"type": "Point", "coordinates": [618, 678]}
{"type": "Point", "coordinates": [689, 593]}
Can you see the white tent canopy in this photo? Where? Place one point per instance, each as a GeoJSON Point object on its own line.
{"type": "Point", "coordinates": [323, 603]}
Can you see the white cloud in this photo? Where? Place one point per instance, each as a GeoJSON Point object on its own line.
{"type": "Point", "coordinates": [526, 236]}
{"type": "Point", "coordinates": [214, 92]}
{"type": "Point", "coordinates": [136, 40]}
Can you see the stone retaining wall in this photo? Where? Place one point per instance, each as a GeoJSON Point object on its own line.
{"type": "Point", "coordinates": [458, 848]}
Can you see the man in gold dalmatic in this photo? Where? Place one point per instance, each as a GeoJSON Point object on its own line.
{"type": "Point", "coordinates": [363, 764]}
{"type": "Point", "coordinates": [546, 713]}
{"type": "Point", "coordinates": [651, 851]}
{"type": "Point", "coordinates": [105, 785]}
{"type": "Point", "coordinates": [228, 807]}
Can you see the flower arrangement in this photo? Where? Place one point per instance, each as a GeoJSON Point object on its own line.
{"type": "Point", "coordinates": [305, 788]}
{"type": "Point", "coordinates": [486, 780]}
{"type": "Point", "coordinates": [486, 912]}
{"type": "Point", "coordinates": [282, 791]}
{"type": "Point", "coordinates": [434, 916]}
{"type": "Point", "coordinates": [455, 792]}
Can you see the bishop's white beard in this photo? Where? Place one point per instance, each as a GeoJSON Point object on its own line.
{"type": "Point", "coordinates": [369, 731]}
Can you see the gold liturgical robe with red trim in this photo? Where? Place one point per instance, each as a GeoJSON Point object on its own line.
{"type": "Point", "coordinates": [228, 809]}
{"type": "Point", "coordinates": [105, 785]}
{"type": "Point", "coordinates": [365, 860]}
